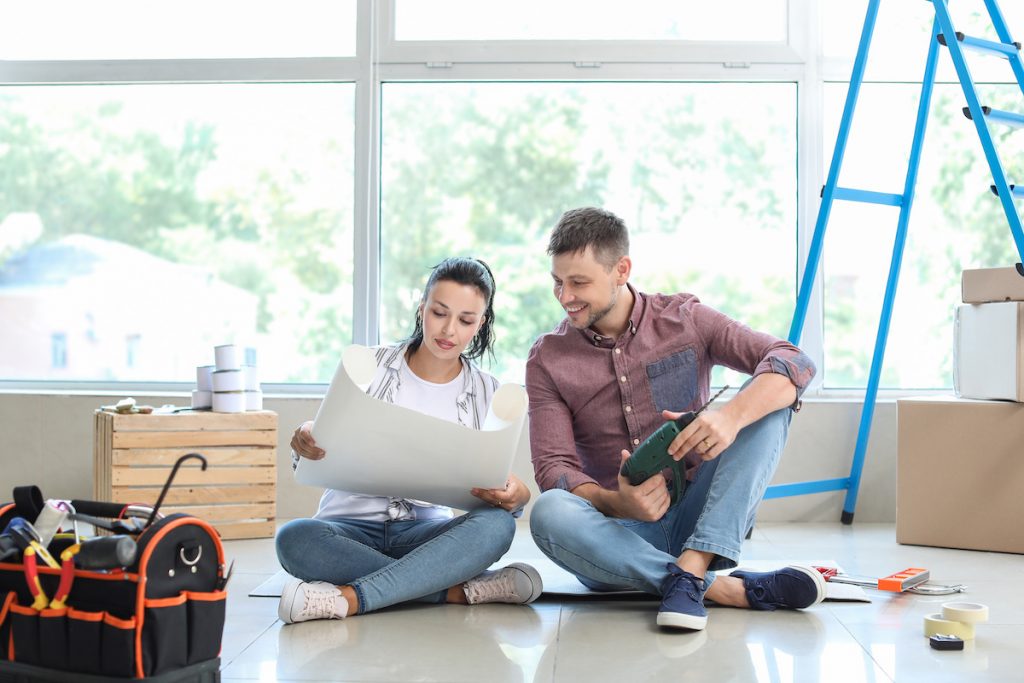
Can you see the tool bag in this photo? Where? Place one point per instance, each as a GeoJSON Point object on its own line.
{"type": "Point", "coordinates": [162, 613]}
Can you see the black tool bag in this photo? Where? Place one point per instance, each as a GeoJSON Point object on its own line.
{"type": "Point", "coordinates": [161, 615]}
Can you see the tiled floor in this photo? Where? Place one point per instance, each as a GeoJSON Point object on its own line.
{"type": "Point", "coordinates": [616, 640]}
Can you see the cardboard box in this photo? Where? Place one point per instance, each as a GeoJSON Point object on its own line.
{"type": "Point", "coordinates": [960, 474]}
{"type": "Point", "coordinates": [985, 285]}
{"type": "Point", "coordinates": [237, 493]}
{"type": "Point", "coordinates": [988, 351]}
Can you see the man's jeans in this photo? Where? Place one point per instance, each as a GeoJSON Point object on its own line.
{"type": "Point", "coordinates": [391, 562]}
{"type": "Point", "coordinates": [715, 513]}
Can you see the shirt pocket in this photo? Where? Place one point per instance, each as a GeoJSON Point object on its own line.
{"type": "Point", "coordinates": [673, 380]}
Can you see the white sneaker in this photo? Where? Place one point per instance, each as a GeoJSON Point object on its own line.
{"type": "Point", "coordinates": [302, 601]}
{"type": "Point", "coordinates": [517, 583]}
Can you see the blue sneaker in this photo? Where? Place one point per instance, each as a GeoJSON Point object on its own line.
{"type": "Point", "coordinates": [682, 600]}
{"type": "Point", "coordinates": [794, 587]}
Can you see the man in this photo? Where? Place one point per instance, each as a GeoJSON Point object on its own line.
{"type": "Point", "coordinates": [620, 364]}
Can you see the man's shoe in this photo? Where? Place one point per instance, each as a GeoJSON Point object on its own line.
{"type": "Point", "coordinates": [794, 587]}
{"type": "Point", "coordinates": [682, 600]}
{"type": "Point", "coordinates": [302, 601]}
{"type": "Point", "coordinates": [517, 583]}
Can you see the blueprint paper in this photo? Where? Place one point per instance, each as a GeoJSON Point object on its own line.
{"type": "Point", "coordinates": [377, 448]}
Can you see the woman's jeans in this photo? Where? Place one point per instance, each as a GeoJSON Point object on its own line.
{"type": "Point", "coordinates": [392, 562]}
{"type": "Point", "coordinates": [715, 513]}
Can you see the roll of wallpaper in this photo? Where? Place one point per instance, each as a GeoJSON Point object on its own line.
{"type": "Point", "coordinates": [228, 380]}
{"type": "Point", "coordinates": [228, 357]}
{"type": "Point", "coordinates": [229, 401]}
{"type": "Point", "coordinates": [204, 378]}
{"type": "Point", "coordinates": [254, 400]}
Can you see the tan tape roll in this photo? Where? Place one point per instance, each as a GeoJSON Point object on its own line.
{"type": "Point", "coordinates": [935, 625]}
{"type": "Point", "coordinates": [966, 612]}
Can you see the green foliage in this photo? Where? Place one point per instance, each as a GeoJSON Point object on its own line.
{"type": "Point", "coordinates": [481, 170]}
{"type": "Point", "coordinates": [90, 177]}
{"type": "Point", "coordinates": [483, 182]}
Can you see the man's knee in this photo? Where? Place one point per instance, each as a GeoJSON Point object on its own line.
{"type": "Point", "coordinates": [772, 425]}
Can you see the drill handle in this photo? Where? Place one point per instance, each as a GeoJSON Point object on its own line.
{"type": "Point", "coordinates": [678, 480]}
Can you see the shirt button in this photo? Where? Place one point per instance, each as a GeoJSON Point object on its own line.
{"type": "Point", "coordinates": [629, 409]}
{"type": "Point", "coordinates": [636, 442]}
{"type": "Point", "coordinates": [618, 350]}
{"type": "Point", "coordinates": [623, 379]}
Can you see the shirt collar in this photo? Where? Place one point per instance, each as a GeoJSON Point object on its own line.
{"type": "Point", "coordinates": [598, 339]}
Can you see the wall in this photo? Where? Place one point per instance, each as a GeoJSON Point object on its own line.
{"type": "Point", "coordinates": [47, 440]}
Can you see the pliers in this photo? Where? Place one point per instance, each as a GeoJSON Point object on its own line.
{"type": "Point", "coordinates": [67, 575]}
{"type": "Point", "coordinates": [40, 601]}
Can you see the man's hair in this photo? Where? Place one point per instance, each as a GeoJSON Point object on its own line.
{"type": "Point", "coordinates": [592, 227]}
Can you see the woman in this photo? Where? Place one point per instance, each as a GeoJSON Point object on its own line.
{"type": "Point", "coordinates": [361, 553]}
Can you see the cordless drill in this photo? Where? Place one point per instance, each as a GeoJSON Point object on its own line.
{"type": "Point", "coordinates": [651, 457]}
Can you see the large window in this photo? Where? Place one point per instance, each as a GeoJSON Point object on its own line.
{"type": "Point", "coordinates": [956, 223]}
{"type": "Point", "coordinates": [703, 173]}
{"type": "Point", "coordinates": [732, 20]}
{"type": "Point", "coordinates": [177, 217]}
{"type": "Point", "coordinates": [184, 29]}
{"type": "Point", "coordinates": [283, 175]}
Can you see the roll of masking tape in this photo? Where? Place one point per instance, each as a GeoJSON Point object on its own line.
{"type": "Point", "coordinates": [965, 612]}
{"type": "Point", "coordinates": [227, 357]}
{"type": "Point", "coordinates": [202, 399]}
{"type": "Point", "coordinates": [229, 401]}
{"type": "Point", "coordinates": [228, 380]}
{"type": "Point", "coordinates": [935, 625]}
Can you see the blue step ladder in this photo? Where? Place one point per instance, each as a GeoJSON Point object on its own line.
{"type": "Point", "coordinates": [943, 34]}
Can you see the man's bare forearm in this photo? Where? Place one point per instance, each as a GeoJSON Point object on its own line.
{"type": "Point", "coordinates": [767, 393]}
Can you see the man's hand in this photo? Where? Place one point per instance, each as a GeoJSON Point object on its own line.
{"type": "Point", "coordinates": [647, 501]}
{"type": "Point", "coordinates": [514, 496]}
{"type": "Point", "coordinates": [304, 444]}
{"type": "Point", "coordinates": [709, 434]}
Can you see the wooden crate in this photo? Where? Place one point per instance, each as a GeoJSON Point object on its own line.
{"type": "Point", "coordinates": [134, 454]}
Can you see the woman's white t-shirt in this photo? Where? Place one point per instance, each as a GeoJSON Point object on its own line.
{"type": "Point", "coordinates": [429, 398]}
{"type": "Point", "coordinates": [415, 393]}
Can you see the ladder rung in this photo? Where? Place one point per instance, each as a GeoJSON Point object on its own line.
{"type": "Point", "coordinates": [866, 196]}
{"type": "Point", "coordinates": [998, 116]}
{"type": "Point", "coordinates": [1004, 50]}
{"type": "Point", "coordinates": [1015, 190]}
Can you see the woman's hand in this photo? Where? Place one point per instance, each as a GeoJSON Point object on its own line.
{"type": "Point", "coordinates": [513, 497]}
{"type": "Point", "coordinates": [304, 444]}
